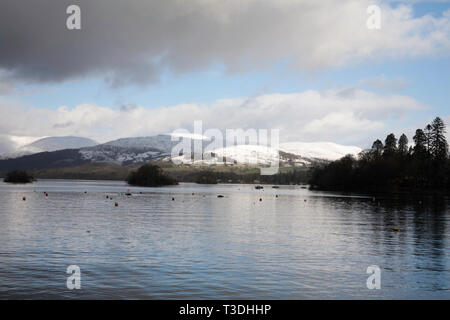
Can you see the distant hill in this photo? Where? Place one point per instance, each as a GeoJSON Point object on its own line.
{"type": "Point", "coordinates": [50, 144]}
{"type": "Point", "coordinates": [44, 160]}
{"type": "Point", "coordinates": [133, 151]}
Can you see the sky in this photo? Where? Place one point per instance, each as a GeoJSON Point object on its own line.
{"type": "Point", "coordinates": [312, 69]}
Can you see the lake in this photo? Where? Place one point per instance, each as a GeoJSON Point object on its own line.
{"type": "Point", "coordinates": [293, 244]}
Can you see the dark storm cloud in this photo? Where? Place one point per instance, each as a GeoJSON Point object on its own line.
{"type": "Point", "coordinates": [36, 45]}
{"type": "Point", "coordinates": [121, 41]}
{"type": "Point", "coordinates": [134, 41]}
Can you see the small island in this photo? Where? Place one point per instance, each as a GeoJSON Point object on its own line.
{"type": "Point", "coordinates": [18, 176]}
{"type": "Point", "coordinates": [150, 175]}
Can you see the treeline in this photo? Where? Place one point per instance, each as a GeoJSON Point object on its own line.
{"type": "Point", "coordinates": [393, 164]}
{"type": "Point", "coordinates": [149, 175]}
{"type": "Point", "coordinates": [293, 176]}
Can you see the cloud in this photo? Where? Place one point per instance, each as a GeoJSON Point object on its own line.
{"type": "Point", "coordinates": [6, 145]}
{"type": "Point", "coordinates": [447, 122]}
{"type": "Point", "coordinates": [329, 115]}
{"type": "Point", "coordinates": [7, 86]}
{"type": "Point", "coordinates": [384, 84]}
{"type": "Point", "coordinates": [137, 40]}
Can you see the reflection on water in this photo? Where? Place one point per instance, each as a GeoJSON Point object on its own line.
{"type": "Point", "coordinates": [299, 245]}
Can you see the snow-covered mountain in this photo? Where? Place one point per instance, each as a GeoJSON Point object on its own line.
{"type": "Point", "coordinates": [141, 149]}
{"type": "Point", "coordinates": [319, 150]}
{"type": "Point", "coordinates": [129, 151]}
{"type": "Point", "coordinates": [243, 154]}
{"type": "Point", "coordinates": [161, 142]}
{"type": "Point", "coordinates": [51, 144]}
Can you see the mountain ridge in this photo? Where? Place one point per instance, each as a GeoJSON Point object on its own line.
{"type": "Point", "coordinates": [131, 151]}
{"type": "Point", "coordinates": [50, 144]}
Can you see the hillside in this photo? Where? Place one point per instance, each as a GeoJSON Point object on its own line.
{"type": "Point", "coordinates": [50, 144]}
{"type": "Point", "coordinates": [135, 151]}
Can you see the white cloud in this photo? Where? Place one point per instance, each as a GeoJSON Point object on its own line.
{"type": "Point", "coordinates": [346, 116]}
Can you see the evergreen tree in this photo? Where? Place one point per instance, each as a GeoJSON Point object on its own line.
{"type": "Point", "coordinates": [375, 169]}
{"type": "Point", "coordinates": [18, 177]}
{"type": "Point", "coordinates": [428, 138]}
{"type": "Point", "coordinates": [390, 145]}
{"type": "Point", "coordinates": [403, 145]}
{"type": "Point", "coordinates": [149, 175]}
{"type": "Point", "coordinates": [438, 142]}
{"type": "Point", "coordinates": [377, 148]}
{"type": "Point", "coordinates": [420, 140]}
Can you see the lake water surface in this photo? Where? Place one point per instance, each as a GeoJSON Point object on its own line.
{"type": "Point", "coordinates": [299, 245]}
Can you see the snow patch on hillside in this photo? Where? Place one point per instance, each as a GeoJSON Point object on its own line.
{"type": "Point", "coordinates": [319, 150]}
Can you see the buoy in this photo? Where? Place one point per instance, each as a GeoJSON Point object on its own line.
{"type": "Point", "coordinates": [107, 197]}
{"type": "Point", "coordinates": [260, 199]}
{"type": "Point", "coordinates": [116, 204]}
{"type": "Point", "coordinates": [395, 228]}
{"type": "Point", "coordinates": [173, 199]}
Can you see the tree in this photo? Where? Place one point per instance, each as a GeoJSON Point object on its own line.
{"type": "Point", "coordinates": [390, 145]}
{"type": "Point", "coordinates": [403, 145]}
{"type": "Point", "coordinates": [428, 138]}
{"type": "Point", "coordinates": [420, 140]}
{"type": "Point", "coordinates": [18, 177]}
{"type": "Point", "coordinates": [384, 168]}
{"type": "Point", "coordinates": [377, 148]}
{"type": "Point", "coordinates": [438, 142]}
{"type": "Point", "coordinates": [149, 176]}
